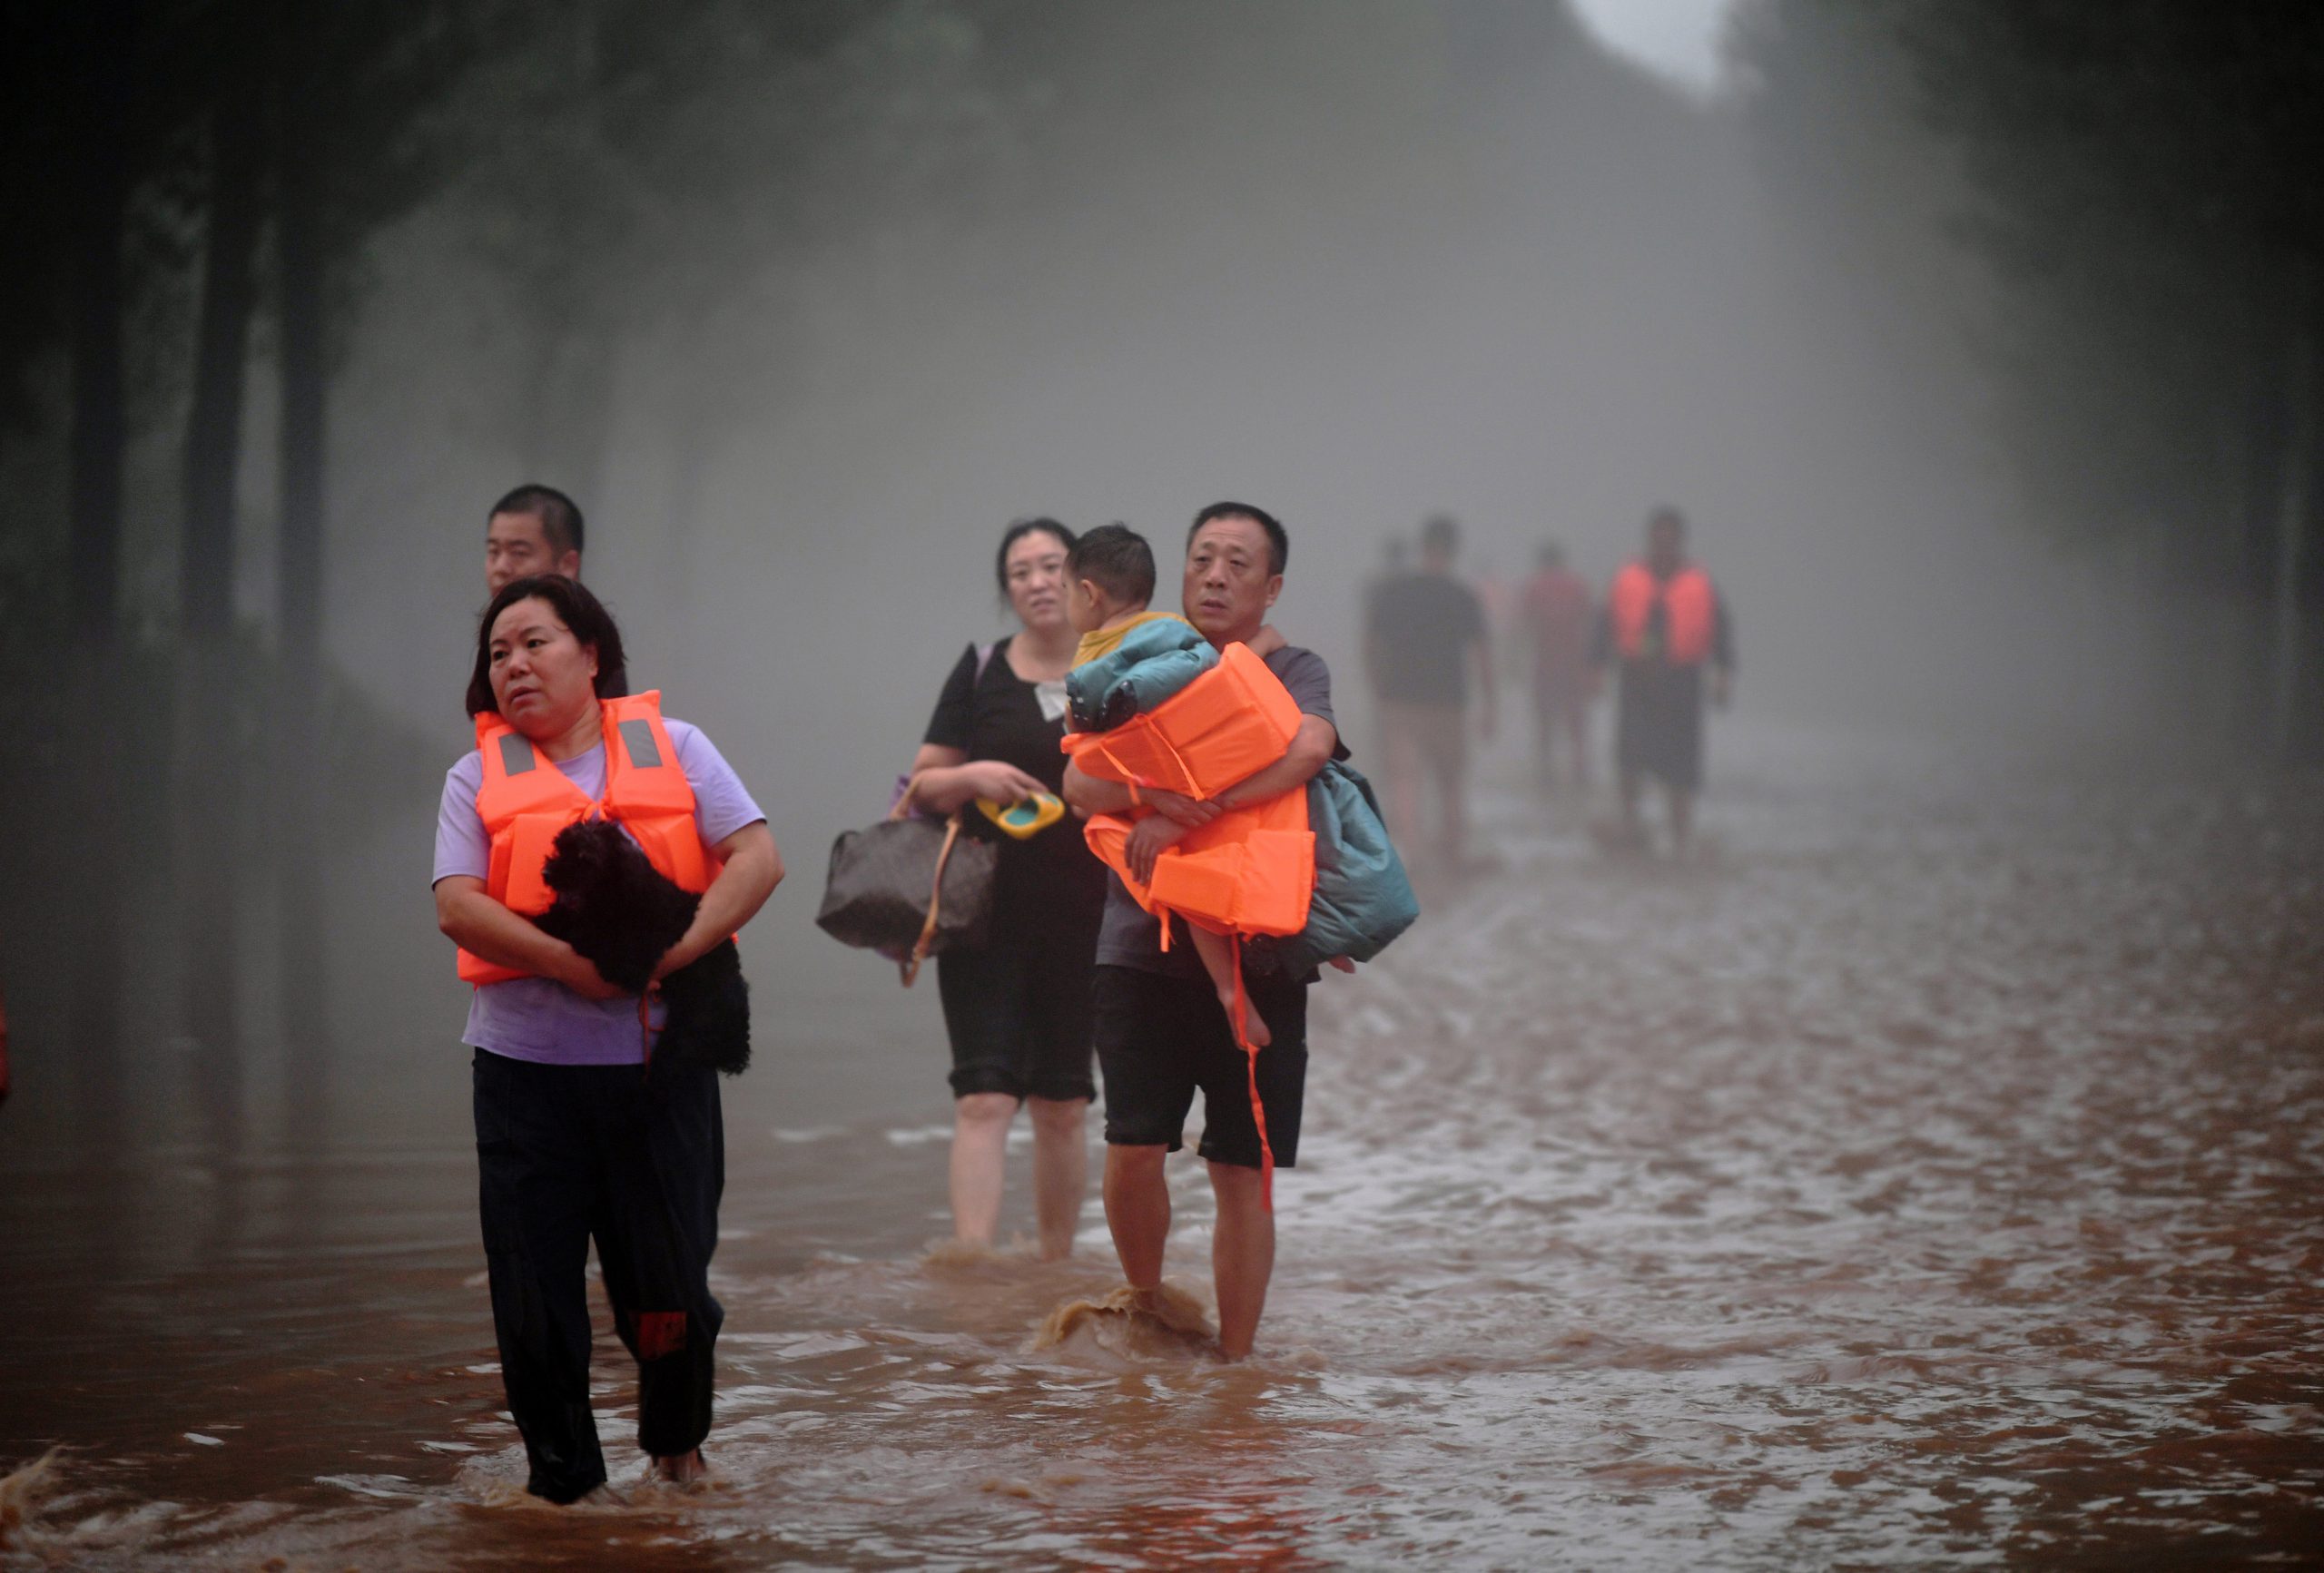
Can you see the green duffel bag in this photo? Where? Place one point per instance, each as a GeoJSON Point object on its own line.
{"type": "Point", "coordinates": [1362, 898]}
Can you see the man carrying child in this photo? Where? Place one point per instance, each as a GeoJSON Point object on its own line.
{"type": "Point", "coordinates": [1109, 580]}
{"type": "Point", "coordinates": [1162, 1020]}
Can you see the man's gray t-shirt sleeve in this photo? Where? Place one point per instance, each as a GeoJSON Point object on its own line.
{"type": "Point", "coordinates": [1308, 680]}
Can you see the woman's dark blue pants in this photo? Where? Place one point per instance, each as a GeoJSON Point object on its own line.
{"type": "Point", "coordinates": [566, 1154]}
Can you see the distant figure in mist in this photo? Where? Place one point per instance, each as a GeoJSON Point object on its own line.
{"type": "Point", "coordinates": [1666, 624]}
{"type": "Point", "coordinates": [1557, 611]}
{"type": "Point", "coordinates": [1428, 634]}
{"type": "Point", "coordinates": [1395, 561]}
{"type": "Point", "coordinates": [576, 1137]}
{"type": "Point", "coordinates": [538, 529]}
{"type": "Point", "coordinates": [1018, 1010]}
{"type": "Point", "coordinates": [1162, 1033]}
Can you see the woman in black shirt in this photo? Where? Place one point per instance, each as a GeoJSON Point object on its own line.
{"type": "Point", "coordinates": [1018, 1010]}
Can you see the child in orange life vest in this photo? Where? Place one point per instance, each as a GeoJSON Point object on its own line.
{"type": "Point", "coordinates": [1109, 581]}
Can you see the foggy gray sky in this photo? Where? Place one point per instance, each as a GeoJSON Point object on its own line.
{"type": "Point", "coordinates": [1678, 38]}
{"type": "Point", "coordinates": [1352, 262]}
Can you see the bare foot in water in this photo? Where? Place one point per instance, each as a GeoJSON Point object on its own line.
{"type": "Point", "coordinates": [682, 1469]}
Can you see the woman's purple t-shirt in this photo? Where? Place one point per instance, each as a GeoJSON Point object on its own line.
{"type": "Point", "coordinates": [538, 1019]}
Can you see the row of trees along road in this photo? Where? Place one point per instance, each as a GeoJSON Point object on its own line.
{"type": "Point", "coordinates": [195, 183]}
{"type": "Point", "coordinates": [166, 156]}
{"type": "Point", "coordinates": [2137, 180]}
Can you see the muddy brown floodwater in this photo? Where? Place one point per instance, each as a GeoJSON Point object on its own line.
{"type": "Point", "coordinates": [1935, 1178]}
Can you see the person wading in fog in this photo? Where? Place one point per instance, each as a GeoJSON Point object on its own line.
{"type": "Point", "coordinates": [1016, 1008]}
{"type": "Point", "coordinates": [538, 529]}
{"type": "Point", "coordinates": [1428, 630]}
{"type": "Point", "coordinates": [1556, 608]}
{"type": "Point", "coordinates": [1162, 1033]}
{"type": "Point", "coordinates": [1666, 623]}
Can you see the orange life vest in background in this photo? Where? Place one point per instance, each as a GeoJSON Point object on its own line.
{"type": "Point", "coordinates": [525, 799]}
{"type": "Point", "coordinates": [1227, 724]}
{"type": "Point", "coordinates": [1690, 608]}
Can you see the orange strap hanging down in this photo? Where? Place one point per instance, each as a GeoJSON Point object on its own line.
{"type": "Point", "coordinates": [1251, 1064]}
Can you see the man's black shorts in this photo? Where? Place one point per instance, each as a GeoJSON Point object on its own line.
{"type": "Point", "coordinates": [1159, 1039]}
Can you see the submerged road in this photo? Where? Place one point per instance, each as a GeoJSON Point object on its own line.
{"type": "Point", "coordinates": [1933, 1177]}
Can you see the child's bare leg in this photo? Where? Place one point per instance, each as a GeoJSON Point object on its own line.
{"type": "Point", "coordinates": [1217, 953]}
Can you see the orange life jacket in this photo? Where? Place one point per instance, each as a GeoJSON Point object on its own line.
{"type": "Point", "coordinates": [525, 801]}
{"type": "Point", "coordinates": [1231, 723]}
{"type": "Point", "coordinates": [1251, 870]}
{"type": "Point", "coordinates": [1690, 608]}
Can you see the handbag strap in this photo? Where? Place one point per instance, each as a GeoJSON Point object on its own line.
{"type": "Point", "coordinates": [909, 966]}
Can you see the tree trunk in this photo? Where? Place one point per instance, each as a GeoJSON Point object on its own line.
{"type": "Point", "coordinates": [213, 429]}
{"type": "Point", "coordinates": [301, 264]}
{"type": "Point", "coordinates": [100, 220]}
{"type": "Point", "coordinates": [2291, 508]}
{"type": "Point", "coordinates": [99, 437]}
{"type": "Point", "coordinates": [209, 712]}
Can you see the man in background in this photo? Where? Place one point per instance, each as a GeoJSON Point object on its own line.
{"type": "Point", "coordinates": [1393, 566]}
{"type": "Point", "coordinates": [1667, 626]}
{"type": "Point", "coordinates": [538, 529]}
{"type": "Point", "coordinates": [1428, 631]}
{"type": "Point", "coordinates": [1557, 611]}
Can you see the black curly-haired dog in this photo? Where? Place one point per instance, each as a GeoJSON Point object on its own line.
{"type": "Point", "coordinates": [615, 908]}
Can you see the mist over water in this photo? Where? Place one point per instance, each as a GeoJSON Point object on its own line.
{"type": "Point", "coordinates": [1920, 1182]}
{"type": "Point", "coordinates": [1352, 264]}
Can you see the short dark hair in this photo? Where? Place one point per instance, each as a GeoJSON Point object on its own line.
{"type": "Point", "coordinates": [1553, 555]}
{"type": "Point", "coordinates": [559, 515]}
{"type": "Point", "coordinates": [1116, 559]}
{"type": "Point", "coordinates": [1279, 543]}
{"type": "Point", "coordinates": [1440, 533]}
{"type": "Point", "coordinates": [1016, 531]}
{"type": "Point", "coordinates": [578, 609]}
{"type": "Point", "coordinates": [1665, 511]}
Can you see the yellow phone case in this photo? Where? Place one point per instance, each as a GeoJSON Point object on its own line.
{"type": "Point", "coordinates": [1025, 820]}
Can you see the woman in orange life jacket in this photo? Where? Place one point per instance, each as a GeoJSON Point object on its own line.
{"type": "Point", "coordinates": [578, 1135]}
